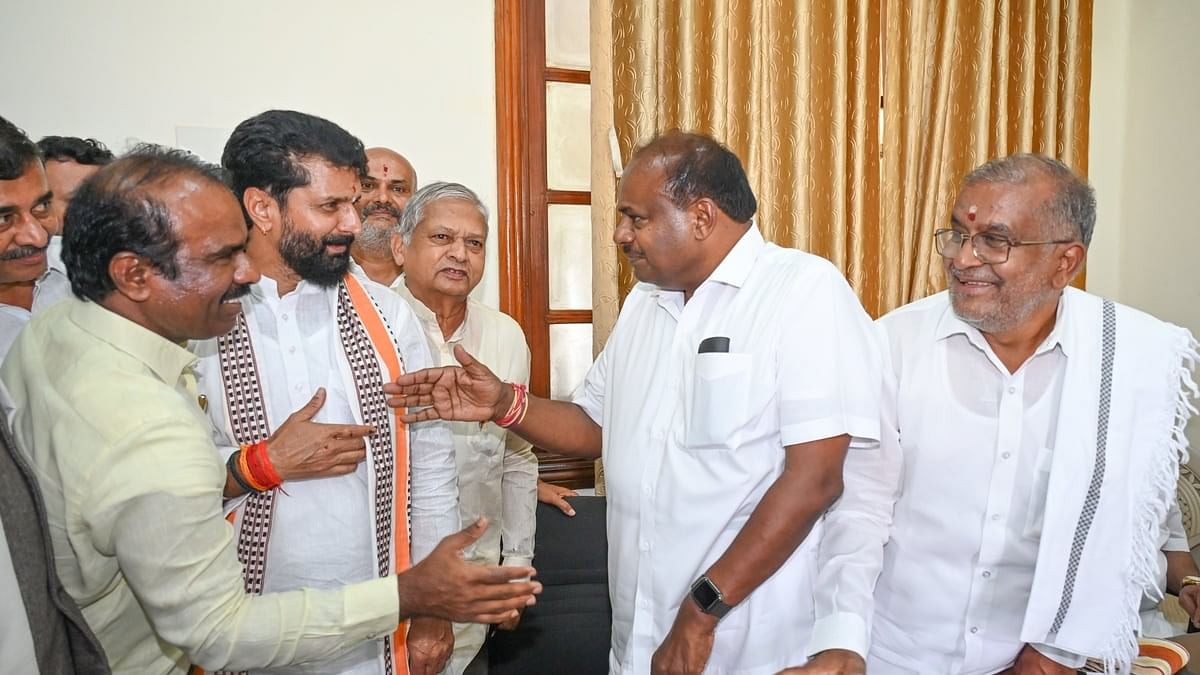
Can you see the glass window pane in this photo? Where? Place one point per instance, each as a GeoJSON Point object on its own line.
{"type": "Point", "coordinates": [568, 139]}
{"type": "Point", "coordinates": [570, 357]}
{"type": "Point", "coordinates": [570, 256]}
{"type": "Point", "coordinates": [568, 35]}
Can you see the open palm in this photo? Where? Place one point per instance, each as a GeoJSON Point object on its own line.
{"type": "Point", "coordinates": [468, 393]}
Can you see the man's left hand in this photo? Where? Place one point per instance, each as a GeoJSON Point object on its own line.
{"type": "Point", "coordinates": [1189, 600]}
{"type": "Point", "coordinates": [430, 643]}
{"type": "Point", "coordinates": [688, 645]}
{"type": "Point", "coordinates": [1032, 662]}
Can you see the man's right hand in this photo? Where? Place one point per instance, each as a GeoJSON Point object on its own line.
{"type": "Point", "coordinates": [446, 586]}
{"type": "Point", "coordinates": [831, 662]}
{"type": "Point", "coordinates": [554, 495]}
{"type": "Point", "coordinates": [471, 393]}
{"type": "Point", "coordinates": [301, 448]}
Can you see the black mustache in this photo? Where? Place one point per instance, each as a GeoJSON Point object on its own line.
{"type": "Point", "coordinates": [236, 292]}
{"type": "Point", "coordinates": [338, 240]}
{"type": "Point", "coordinates": [22, 252]}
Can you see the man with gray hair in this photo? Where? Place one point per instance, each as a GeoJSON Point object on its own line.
{"type": "Point", "coordinates": [441, 242]}
{"type": "Point", "coordinates": [386, 187]}
{"type": "Point", "coordinates": [1032, 435]}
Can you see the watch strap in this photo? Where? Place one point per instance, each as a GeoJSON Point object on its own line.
{"type": "Point", "coordinates": [717, 606]}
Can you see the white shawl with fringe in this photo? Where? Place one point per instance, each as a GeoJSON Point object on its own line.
{"type": "Point", "coordinates": [1119, 443]}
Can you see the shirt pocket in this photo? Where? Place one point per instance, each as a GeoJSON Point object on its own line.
{"type": "Point", "coordinates": [720, 399]}
{"type": "Point", "coordinates": [1036, 514]}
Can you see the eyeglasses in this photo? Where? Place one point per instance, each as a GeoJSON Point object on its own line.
{"type": "Point", "coordinates": [989, 248]}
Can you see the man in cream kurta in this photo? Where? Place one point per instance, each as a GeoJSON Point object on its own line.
{"type": "Point", "coordinates": [442, 235]}
{"type": "Point", "coordinates": [325, 530]}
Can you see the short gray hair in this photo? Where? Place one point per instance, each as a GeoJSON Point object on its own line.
{"type": "Point", "coordinates": [1073, 204]}
{"type": "Point", "coordinates": [414, 210]}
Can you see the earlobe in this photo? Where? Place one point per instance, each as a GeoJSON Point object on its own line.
{"type": "Point", "coordinates": [261, 207]}
{"type": "Point", "coordinates": [131, 274]}
{"type": "Point", "coordinates": [398, 250]}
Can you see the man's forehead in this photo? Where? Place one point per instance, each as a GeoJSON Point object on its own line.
{"type": "Point", "coordinates": [31, 184]}
{"type": "Point", "coordinates": [327, 180]}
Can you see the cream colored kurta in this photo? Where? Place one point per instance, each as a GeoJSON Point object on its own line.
{"type": "Point", "coordinates": [107, 414]}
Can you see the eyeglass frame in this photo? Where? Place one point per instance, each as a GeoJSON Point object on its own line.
{"type": "Point", "coordinates": [964, 238]}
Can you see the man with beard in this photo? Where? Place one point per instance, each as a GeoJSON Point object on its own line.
{"type": "Point", "coordinates": [389, 182]}
{"type": "Point", "coordinates": [319, 341]}
{"type": "Point", "coordinates": [27, 283]}
{"type": "Point", "coordinates": [1032, 435]}
{"type": "Point", "coordinates": [106, 411]}
{"type": "Point", "coordinates": [69, 162]}
{"type": "Point", "coordinates": [737, 378]}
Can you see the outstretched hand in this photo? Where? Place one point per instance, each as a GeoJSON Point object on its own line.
{"type": "Point", "coordinates": [470, 393]}
{"type": "Point", "coordinates": [446, 586]}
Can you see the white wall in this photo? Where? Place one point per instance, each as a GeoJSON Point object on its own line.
{"type": "Point", "coordinates": [1145, 159]}
{"type": "Point", "coordinates": [415, 76]}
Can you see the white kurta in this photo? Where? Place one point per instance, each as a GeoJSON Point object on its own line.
{"type": "Point", "coordinates": [965, 459]}
{"type": "Point", "coordinates": [321, 532]}
{"type": "Point", "coordinates": [692, 442]}
{"type": "Point", "coordinates": [497, 470]}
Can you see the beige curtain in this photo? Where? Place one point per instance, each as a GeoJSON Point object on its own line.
{"type": "Point", "coordinates": [966, 81]}
{"type": "Point", "coordinates": [794, 88]}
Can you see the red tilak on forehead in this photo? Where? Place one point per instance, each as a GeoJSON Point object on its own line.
{"type": "Point", "coordinates": [971, 212]}
{"type": "Point", "coordinates": [385, 171]}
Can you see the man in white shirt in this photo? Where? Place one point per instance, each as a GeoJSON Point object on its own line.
{"type": "Point", "coordinates": [320, 341]}
{"type": "Point", "coordinates": [389, 182]}
{"type": "Point", "coordinates": [737, 378]}
{"type": "Point", "coordinates": [1031, 441]}
{"type": "Point", "coordinates": [29, 280]}
{"type": "Point", "coordinates": [442, 239]}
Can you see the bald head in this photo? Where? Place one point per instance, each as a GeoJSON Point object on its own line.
{"type": "Point", "coordinates": [389, 182]}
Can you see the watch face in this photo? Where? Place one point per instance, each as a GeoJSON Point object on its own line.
{"type": "Point", "coordinates": [705, 594]}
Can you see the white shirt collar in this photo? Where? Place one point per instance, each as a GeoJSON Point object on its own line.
{"type": "Point", "coordinates": [733, 269]}
{"type": "Point", "coordinates": [951, 324]}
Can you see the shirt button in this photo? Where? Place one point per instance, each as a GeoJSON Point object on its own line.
{"type": "Point", "coordinates": [645, 546]}
{"type": "Point", "coordinates": [974, 629]}
{"type": "Point", "coordinates": [987, 574]}
{"type": "Point", "coordinates": [646, 490]}
{"type": "Point", "coordinates": [291, 350]}
{"type": "Point", "coordinates": [1012, 390]}
{"type": "Point", "coordinates": [284, 317]}
{"type": "Point", "coordinates": [995, 516]}
{"type": "Point", "coordinates": [1006, 455]}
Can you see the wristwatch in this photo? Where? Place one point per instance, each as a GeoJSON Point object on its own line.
{"type": "Point", "coordinates": [1189, 581]}
{"type": "Point", "coordinates": [709, 598]}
